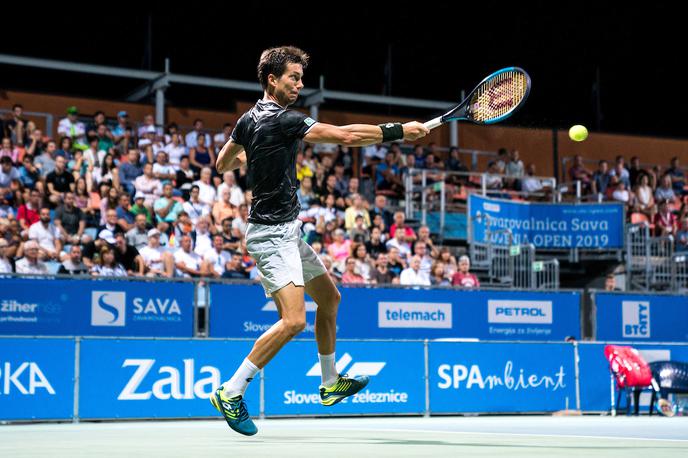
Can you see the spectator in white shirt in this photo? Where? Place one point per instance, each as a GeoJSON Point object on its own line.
{"type": "Point", "coordinates": [399, 242]}
{"type": "Point", "coordinates": [158, 262]}
{"type": "Point", "coordinates": [148, 185]}
{"type": "Point", "coordinates": [203, 242]}
{"type": "Point", "coordinates": [5, 264]}
{"type": "Point", "coordinates": [187, 262]}
{"type": "Point", "coordinates": [72, 128]}
{"type": "Point", "coordinates": [47, 236]}
{"type": "Point", "coordinates": [175, 150]}
{"type": "Point", "coordinates": [223, 137]}
{"type": "Point", "coordinates": [240, 223]}
{"type": "Point", "coordinates": [217, 258]}
{"type": "Point", "coordinates": [148, 121]}
{"type": "Point", "coordinates": [413, 275]}
{"type": "Point", "coordinates": [236, 197]}
{"type": "Point", "coordinates": [207, 193]}
{"type": "Point", "coordinates": [194, 207]}
{"type": "Point", "coordinates": [162, 170]}
{"type": "Point", "coordinates": [30, 264]}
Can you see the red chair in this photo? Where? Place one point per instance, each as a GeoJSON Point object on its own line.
{"type": "Point", "coordinates": [637, 218]}
{"type": "Point", "coordinates": [631, 373]}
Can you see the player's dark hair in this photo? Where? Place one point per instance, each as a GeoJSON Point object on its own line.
{"type": "Point", "coordinates": [274, 61]}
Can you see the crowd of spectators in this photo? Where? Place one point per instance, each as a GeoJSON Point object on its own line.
{"type": "Point", "coordinates": [115, 197]}
{"type": "Point", "coordinates": [651, 194]}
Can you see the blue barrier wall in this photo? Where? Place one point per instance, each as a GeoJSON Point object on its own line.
{"type": "Point", "coordinates": [636, 317]}
{"type": "Point", "coordinates": [545, 225]}
{"type": "Point", "coordinates": [156, 378]}
{"type": "Point", "coordinates": [166, 378]}
{"type": "Point", "coordinates": [501, 377]}
{"type": "Point", "coordinates": [595, 379]}
{"type": "Point", "coordinates": [397, 371]}
{"type": "Point", "coordinates": [385, 313]}
{"type": "Point", "coordinates": [36, 379]}
{"type": "Point", "coordinates": [96, 308]}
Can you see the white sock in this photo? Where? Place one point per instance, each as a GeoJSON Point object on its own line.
{"type": "Point", "coordinates": [329, 372]}
{"type": "Point", "coordinates": [236, 386]}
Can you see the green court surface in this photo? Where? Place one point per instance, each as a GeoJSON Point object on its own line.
{"type": "Point", "coordinates": [525, 436]}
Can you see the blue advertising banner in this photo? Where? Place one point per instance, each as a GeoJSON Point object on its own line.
{"type": "Point", "coordinates": [96, 308]}
{"type": "Point", "coordinates": [388, 313]}
{"type": "Point", "coordinates": [554, 226]}
{"type": "Point", "coordinates": [636, 317]}
{"type": "Point", "coordinates": [36, 379]}
{"type": "Point", "coordinates": [157, 378]}
{"type": "Point", "coordinates": [501, 377]}
{"type": "Point", "coordinates": [396, 371]}
{"type": "Point", "coordinates": [594, 375]}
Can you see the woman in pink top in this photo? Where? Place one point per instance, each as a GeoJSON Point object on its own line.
{"type": "Point", "coordinates": [350, 274]}
{"type": "Point", "coordinates": [339, 249]}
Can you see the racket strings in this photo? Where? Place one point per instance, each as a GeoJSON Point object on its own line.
{"type": "Point", "coordinates": [499, 96]}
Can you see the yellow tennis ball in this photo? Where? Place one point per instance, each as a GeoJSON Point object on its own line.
{"type": "Point", "coordinates": [578, 133]}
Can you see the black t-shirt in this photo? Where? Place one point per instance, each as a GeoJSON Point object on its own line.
{"type": "Point", "coordinates": [270, 135]}
{"type": "Point", "coordinates": [70, 219]}
{"type": "Point", "coordinates": [381, 278]}
{"type": "Point", "coordinates": [375, 249]}
{"type": "Point", "coordinates": [127, 258]}
{"type": "Point", "coordinates": [60, 182]}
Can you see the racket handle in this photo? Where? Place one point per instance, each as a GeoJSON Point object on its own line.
{"type": "Point", "coordinates": [433, 123]}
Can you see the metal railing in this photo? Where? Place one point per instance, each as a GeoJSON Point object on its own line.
{"type": "Point", "coordinates": [651, 262]}
{"type": "Point", "coordinates": [423, 185]}
{"type": "Point", "coordinates": [49, 119]}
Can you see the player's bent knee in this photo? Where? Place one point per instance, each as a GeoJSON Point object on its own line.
{"type": "Point", "coordinates": [295, 327]}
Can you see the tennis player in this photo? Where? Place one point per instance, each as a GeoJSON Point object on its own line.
{"type": "Point", "coordinates": [266, 138]}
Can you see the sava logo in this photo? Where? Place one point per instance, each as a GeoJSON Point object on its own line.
{"type": "Point", "coordinates": [168, 382]}
{"type": "Point", "coordinates": [356, 369]}
{"type": "Point", "coordinates": [108, 308]}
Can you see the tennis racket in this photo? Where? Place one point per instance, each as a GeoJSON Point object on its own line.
{"type": "Point", "coordinates": [493, 100]}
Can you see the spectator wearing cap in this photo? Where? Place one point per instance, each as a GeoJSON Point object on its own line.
{"type": "Point", "coordinates": [130, 170]}
{"type": "Point", "coordinates": [30, 263]}
{"type": "Point", "coordinates": [137, 236]}
{"type": "Point", "coordinates": [413, 275]}
{"type": "Point", "coordinates": [187, 262]}
{"type": "Point", "coordinates": [47, 235]}
{"type": "Point", "coordinates": [217, 258]}
{"type": "Point", "coordinates": [157, 261]}
{"type": "Point", "coordinates": [74, 264]}
{"type": "Point", "coordinates": [191, 139]}
{"type": "Point", "coordinates": [148, 185]}
{"type": "Point", "coordinates": [121, 127]}
{"type": "Point", "coordinates": [73, 128]}
{"type": "Point", "coordinates": [199, 155]}
{"type": "Point", "coordinates": [6, 266]}
{"type": "Point", "coordinates": [107, 265]}
{"type": "Point", "coordinates": [139, 208]}
{"type": "Point", "coordinates": [463, 277]}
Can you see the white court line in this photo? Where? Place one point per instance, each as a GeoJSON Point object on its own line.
{"type": "Point", "coordinates": [558, 436]}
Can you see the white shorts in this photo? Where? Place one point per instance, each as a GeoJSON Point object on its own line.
{"type": "Point", "coordinates": [281, 256]}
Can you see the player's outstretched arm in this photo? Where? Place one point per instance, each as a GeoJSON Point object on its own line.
{"type": "Point", "coordinates": [361, 134]}
{"type": "Point", "coordinates": [232, 156]}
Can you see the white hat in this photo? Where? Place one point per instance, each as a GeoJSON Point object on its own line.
{"type": "Point", "coordinates": [139, 195]}
{"type": "Point", "coordinates": [151, 130]}
{"type": "Point", "coordinates": [153, 232]}
{"type": "Point", "coordinates": [107, 235]}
